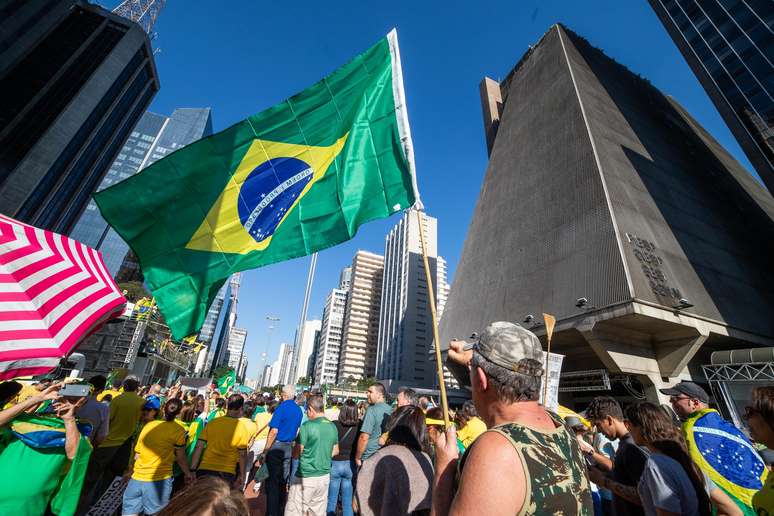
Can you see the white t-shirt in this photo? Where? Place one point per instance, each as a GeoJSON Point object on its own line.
{"type": "Point", "coordinates": [665, 485]}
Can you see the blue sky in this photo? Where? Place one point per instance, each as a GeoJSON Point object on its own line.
{"type": "Point", "coordinates": [240, 57]}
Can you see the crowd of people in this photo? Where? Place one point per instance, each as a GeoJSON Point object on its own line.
{"type": "Point", "coordinates": [153, 450]}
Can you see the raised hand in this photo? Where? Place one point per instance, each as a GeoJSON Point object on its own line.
{"type": "Point", "coordinates": [65, 408]}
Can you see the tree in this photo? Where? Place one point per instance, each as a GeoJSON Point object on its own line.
{"type": "Point", "coordinates": [304, 381]}
{"type": "Point", "coordinates": [134, 291]}
{"type": "Point", "coordinates": [364, 383]}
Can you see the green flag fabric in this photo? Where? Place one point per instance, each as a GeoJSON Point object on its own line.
{"type": "Point", "coordinates": [226, 381]}
{"type": "Point", "coordinates": [292, 180]}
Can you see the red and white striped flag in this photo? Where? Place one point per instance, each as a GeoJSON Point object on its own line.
{"type": "Point", "coordinates": [54, 292]}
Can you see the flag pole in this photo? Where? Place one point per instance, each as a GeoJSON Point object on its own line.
{"type": "Point", "coordinates": [550, 321]}
{"type": "Point", "coordinates": [304, 310]}
{"type": "Point", "coordinates": [436, 339]}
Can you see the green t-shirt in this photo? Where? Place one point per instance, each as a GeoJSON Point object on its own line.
{"type": "Point", "coordinates": [375, 424]}
{"type": "Point", "coordinates": [318, 437]}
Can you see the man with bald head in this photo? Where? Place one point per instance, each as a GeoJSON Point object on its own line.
{"type": "Point", "coordinates": [283, 427]}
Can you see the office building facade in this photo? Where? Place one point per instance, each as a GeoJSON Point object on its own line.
{"type": "Point", "coordinates": [326, 366]}
{"type": "Point", "coordinates": [214, 333]}
{"type": "Point", "coordinates": [729, 45]}
{"type": "Point", "coordinates": [282, 367]}
{"type": "Point", "coordinates": [361, 318]}
{"type": "Point", "coordinates": [154, 137]}
{"type": "Point", "coordinates": [443, 294]}
{"type": "Point", "coordinates": [74, 81]}
{"type": "Point", "coordinates": [235, 348]}
{"type": "Point", "coordinates": [304, 354]}
{"type": "Point", "coordinates": [405, 323]}
{"type": "Point", "coordinates": [644, 237]}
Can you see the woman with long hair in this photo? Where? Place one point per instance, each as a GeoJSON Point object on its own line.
{"type": "Point", "coordinates": [397, 479]}
{"type": "Point", "coordinates": [343, 466]}
{"type": "Point", "coordinates": [671, 483]}
{"type": "Point", "coordinates": [760, 418]}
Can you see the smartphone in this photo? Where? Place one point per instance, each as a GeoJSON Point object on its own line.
{"type": "Point", "coordinates": [74, 390]}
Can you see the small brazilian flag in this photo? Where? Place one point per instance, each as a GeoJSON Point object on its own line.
{"type": "Point", "coordinates": [294, 179]}
{"type": "Point", "coordinates": [226, 381]}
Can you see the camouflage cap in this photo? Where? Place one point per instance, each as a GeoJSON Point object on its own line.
{"type": "Point", "coordinates": [507, 345]}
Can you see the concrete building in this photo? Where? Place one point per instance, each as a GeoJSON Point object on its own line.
{"type": "Point", "coordinates": [361, 318]}
{"type": "Point", "coordinates": [235, 348]}
{"type": "Point", "coordinates": [284, 363]}
{"type": "Point", "coordinates": [607, 205]}
{"type": "Point", "coordinates": [242, 368]}
{"type": "Point", "coordinates": [274, 374]}
{"type": "Point", "coordinates": [326, 367]}
{"type": "Point", "coordinates": [405, 323]}
{"type": "Point", "coordinates": [265, 378]}
{"type": "Point", "coordinates": [345, 278]}
{"type": "Point", "coordinates": [301, 358]}
{"type": "Point", "coordinates": [152, 138]}
{"type": "Point", "coordinates": [443, 294]}
{"type": "Point", "coordinates": [214, 332]}
{"type": "Point", "coordinates": [75, 79]}
{"type": "Point", "coordinates": [729, 45]}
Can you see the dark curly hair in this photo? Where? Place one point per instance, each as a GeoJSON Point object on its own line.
{"type": "Point", "coordinates": [602, 407]}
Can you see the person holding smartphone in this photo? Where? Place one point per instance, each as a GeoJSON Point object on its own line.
{"type": "Point", "coordinates": [47, 447]}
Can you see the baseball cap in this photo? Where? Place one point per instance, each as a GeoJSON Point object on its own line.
{"type": "Point", "coordinates": [152, 402]}
{"type": "Point", "coordinates": [686, 388]}
{"type": "Point", "coordinates": [507, 344]}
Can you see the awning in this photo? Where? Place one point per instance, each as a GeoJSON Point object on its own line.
{"type": "Point", "coordinates": [741, 365]}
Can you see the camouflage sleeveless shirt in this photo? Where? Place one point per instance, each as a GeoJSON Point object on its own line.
{"type": "Point", "coordinates": [554, 468]}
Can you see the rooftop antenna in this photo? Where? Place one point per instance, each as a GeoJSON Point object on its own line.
{"type": "Point", "coordinates": [143, 12]}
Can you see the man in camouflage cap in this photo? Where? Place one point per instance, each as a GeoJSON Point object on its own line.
{"type": "Point", "coordinates": [528, 461]}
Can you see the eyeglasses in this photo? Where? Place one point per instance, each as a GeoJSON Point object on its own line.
{"type": "Point", "coordinates": [679, 398]}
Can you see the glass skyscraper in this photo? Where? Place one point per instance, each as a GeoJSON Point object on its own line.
{"type": "Point", "coordinates": [75, 79]}
{"type": "Point", "coordinates": [153, 137]}
{"type": "Point", "coordinates": [729, 45]}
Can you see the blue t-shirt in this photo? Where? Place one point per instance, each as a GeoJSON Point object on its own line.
{"type": "Point", "coordinates": [665, 485]}
{"type": "Point", "coordinates": [286, 419]}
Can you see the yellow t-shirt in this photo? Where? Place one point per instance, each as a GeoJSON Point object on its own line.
{"type": "Point", "coordinates": [763, 500]}
{"type": "Point", "coordinates": [468, 433]}
{"type": "Point", "coordinates": [262, 421]}
{"type": "Point", "coordinates": [252, 428]}
{"type": "Point", "coordinates": [156, 450]}
{"type": "Point", "coordinates": [224, 436]}
{"type": "Point", "coordinates": [112, 392]}
{"type": "Point", "coordinates": [124, 416]}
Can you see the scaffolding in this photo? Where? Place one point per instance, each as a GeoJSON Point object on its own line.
{"type": "Point", "coordinates": [143, 12]}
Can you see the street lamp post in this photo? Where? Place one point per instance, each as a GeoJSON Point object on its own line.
{"type": "Point", "coordinates": [272, 319]}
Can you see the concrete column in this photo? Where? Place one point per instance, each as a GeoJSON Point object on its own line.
{"type": "Point", "coordinates": [621, 350]}
{"type": "Point", "coordinates": [651, 384]}
{"type": "Point", "coordinates": [491, 107]}
{"type": "Point", "coordinates": [657, 361]}
{"type": "Point", "coordinates": [674, 351]}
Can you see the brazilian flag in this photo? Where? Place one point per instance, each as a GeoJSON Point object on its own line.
{"type": "Point", "coordinates": [226, 381]}
{"type": "Point", "coordinates": [725, 454]}
{"type": "Point", "coordinates": [297, 178]}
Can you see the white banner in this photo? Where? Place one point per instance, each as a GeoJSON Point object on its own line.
{"type": "Point", "coordinates": [552, 376]}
